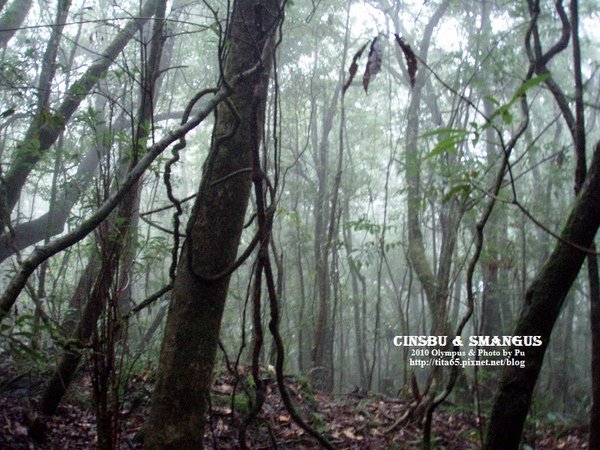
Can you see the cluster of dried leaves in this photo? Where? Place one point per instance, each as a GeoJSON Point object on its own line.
{"type": "Point", "coordinates": [375, 58]}
{"type": "Point", "coordinates": [351, 421]}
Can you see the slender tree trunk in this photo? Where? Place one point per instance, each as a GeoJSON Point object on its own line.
{"type": "Point", "coordinates": [593, 277]}
{"type": "Point", "coordinates": [354, 278]}
{"type": "Point", "coordinates": [301, 352]}
{"type": "Point", "coordinates": [191, 337]}
{"type": "Point", "coordinates": [114, 236]}
{"type": "Point", "coordinates": [491, 299]}
{"type": "Point", "coordinates": [321, 375]}
{"type": "Point", "coordinates": [322, 353]}
{"type": "Point", "coordinates": [561, 379]}
{"type": "Point", "coordinates": [279, 285]}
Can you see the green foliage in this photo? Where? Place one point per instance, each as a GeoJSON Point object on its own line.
{"type": "Point", "coordinates": [13, 74]}
{"type": "Point", "coordinates": [455, 155]}
{"type": "Point", "coordinates": [317, 420]}
{"type": "Point", "coordinates": [50, 119]}
{"type": "Point", "coordinates": [90, 117]}
{"type": "Point", "coordinates": [121, 221]}
{"type": "Point", "coordinates": [449, 141]}
{"type": "Point", "coordinates": [155, 248]}
{"type": "Point", "coordinates": [503, 111]}
{"type": "Point", "coordinates": [241, 403]}
{"type": "Point", "coordinates": [17, 338]}
{"type": "Point", "coordinates": [31, 148]}
{"type": "Point", "coordinates": [363, 224]}
{"type": "Point", "coordinates": [79, 88]}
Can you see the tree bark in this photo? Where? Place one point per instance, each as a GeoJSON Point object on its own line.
{"type": "Point", "coordinates": [321, 357]}
{"type": "Point", "coordinates": [542, 304]}
{"type": "Point", "coordinates": [191, 337]}
{"type": "Point", "coordinates": [12, 19]}
{"type": "Point", "coordinates": [416, 248]}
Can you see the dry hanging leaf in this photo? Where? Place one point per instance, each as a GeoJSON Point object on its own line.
{"type": "Point", "coordinates": [373, 62]}
{"type": "Point", "coordinates": [353, 68]}
{"type": "Point", "coordinates": [411, 58]}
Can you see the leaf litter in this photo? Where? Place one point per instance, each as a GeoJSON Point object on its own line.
{"type": "Point", "coordinates": [355, 420]}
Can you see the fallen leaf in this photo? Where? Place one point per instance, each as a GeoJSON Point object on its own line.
{"type": "Point", "coordinates": [19, 430]}
{"type": "Point", "coordinates": [349, 434]}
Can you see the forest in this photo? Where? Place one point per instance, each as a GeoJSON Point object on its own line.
{"type": "Point", "coordinates": [299, 224]}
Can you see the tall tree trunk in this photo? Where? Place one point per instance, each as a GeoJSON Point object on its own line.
{"type": "Point", "coordinates": [322, 353]}
{"type": "Point", "coordinates": [191, 337]}
{"type": "Point", "coordinates": [301, 346]}
{"type": "Point", "coordinates": [542, 304]}
{"type": "Point", "coordinates": [416, 248]}
{"type": "Point", "coordinates": [355, 276]}
{"type": "Point", "coordinates": [321, 358]}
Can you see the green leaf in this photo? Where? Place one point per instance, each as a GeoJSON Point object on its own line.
{"type": "Point", "coordinates": [503, 111]}
{"type": "Point", "coordinates": [120, 221]}
{"type": "Point", "coordinates": [461, 190]}
{"type": "Point", "coordinates": [492, 100]}
{"type": "Point", "coordinates": [7, 113]}
{"type": "Point", "coordinates": [448, 144]}
{"type": "Point", "coordinates": [528, 84]}
{"type": "Point", "coordinates": [215, 29]}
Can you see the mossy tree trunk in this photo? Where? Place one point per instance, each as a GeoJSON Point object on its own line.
{"type": "Point", "coordinates": [213, 234]}
{"type": "Point", "coordinates": [543, 301]}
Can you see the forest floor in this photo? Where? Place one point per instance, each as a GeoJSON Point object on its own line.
{"type": "Point", "coordinates": [351, 421]}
